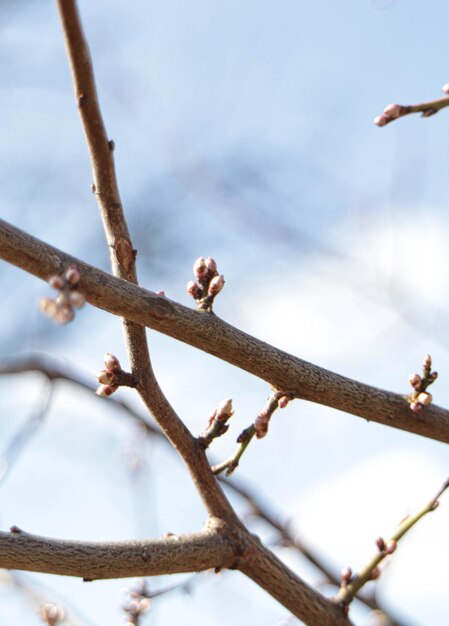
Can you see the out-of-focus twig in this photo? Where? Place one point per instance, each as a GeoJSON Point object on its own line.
{"type": "Point", "coordinates": [427, 109]}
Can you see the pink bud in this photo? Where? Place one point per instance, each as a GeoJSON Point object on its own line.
{"type": "Point", "coordinates": [446, 88]}
{"type": "Point", "coordinates": [425, 398]}
{"type": "Point", "coordinates": [261, 424]}
{"type": "Point", "coordinates": [160, 293]}
{"type": "Point", "coordinates": [200, 268]}
{"type": "Point", "coordinates": [380, 543]}
{"type": "Point", "coordinates": [415, 380]}
{"type": "Point", "coordinates": [112, 363]}
{"type": "Point", "coordinates": [391, 546]}
{"type": "Point", "coordinates": [77, 299]}
{"type": "Point", "coordinates": [57, 282]}
{"type": "Point", "coordinates": [427, 363]}
{"type": "Point", "coordinates": [63, 314]}
{"type": "Point", "coordinates": [375, 573]}
{"type": "Point", "coordinates": [346, 574]}
{"type": "Point", "coordinates": [47, 306]}
{"type": "Point", "coordinates": [106, 378]}
{"type": "Point", "coordinates": [416, 407]}
{"type": "Point", "coordinates": [381, 120]}
{"type": "Point", "coordinates": [283, 401]}
{"type": "Point", "coordinates": [168, 534]}
{"type": "Point", "coordinates": [193, 289]}
{"type": "Point", "coordinates": [393, 111]}
{"type": "Point", "coordinates": [72, 275]}
{"type": "Point", "coordinates": [224, 409]}
{"type": "Point", "coordinates": [216, 285]}
{"type": "Point", "coordinates": [211, 265]}
{"type": "Point", "coordinates": [106, 390]}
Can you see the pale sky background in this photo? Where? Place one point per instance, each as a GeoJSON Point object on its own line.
{"type": "Point", "coordinates": [244, 131]}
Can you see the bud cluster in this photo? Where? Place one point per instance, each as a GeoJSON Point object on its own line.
{"type": "Point", "coordinates": [109, 377]}
{"type": "Point", "coordinates": [208, 283]}
{"type": "Point", "coordinates": [61, 308]}
{"type": "Point", "coordinates": [420, 398]}
{"type": "Point", "coordinates": [138, 603]}
{"type": "Point", "coordinates": [217, 425]}
{"type": "Point", "coordinates": [391, 112]}
{"type": "Point", "coordinates": [52, 614]}
{"type": "Point", "coordinates": [386, 547]}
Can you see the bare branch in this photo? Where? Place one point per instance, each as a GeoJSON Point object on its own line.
{"type": "Point", "coordinates": [195, 552]}
{"type": "Point", "coordinates": [211, 334]}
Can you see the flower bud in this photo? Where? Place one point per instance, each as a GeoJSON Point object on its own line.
{"type": "Point", "coordinates": [415, 380]}
{"type": "Point", "coordinates": [63, 314]}
{"type": "Point", "coordinates": [216, 285]}
{"type": "Point", "coordinates": [283, 401]}
{"type": "Point", "coordinates": [106, 390]}
{"type": "Point", "coordinates": [47, 306]}
{"type": "Point", "coordinates": [112, 363]}
{"type": "Point", "coordinates": [381, 120]}
{"type": "Point", "coordinates": [57, 282]}
{"type": "Point", "coordinates": [224, 409]}
{"type": "Point", "coordinates": [391, 546]}
{"type": "Point", "coordinates": [76, 299]}
{"type": "Point", "coordinates": [261, 424]}
{"type": "Point", "coordinates": [427, 363]}
{"type": "Point", "coordinates": [200, 268]}
{"type": "Point", "coordinates": [425, 398]}
{"type": "Point", "coordinates": [160, 293]}
{"type": "Point", "coordinates": [211, 265]}
{"type": "Point", "coordinates": [346, 575]}
{"type": "Point", "coordinates": [72, 275]}
{"type": "Point", "coordinates": [193, 289]}
{"type": "Point", "coordinates": [52, 613]}
{"type": "Point", "coordinates": [416, 407]}
{"type": "Point", "coordinates": [105, 377]}
{"type": "Point", "coordinates": [375, 573]}
{"type": "Point", "coordinates": [380, 543]}
{"type": "Point", "coordinates": [446, 88]}
{"type": "Point", "coordinates": [393, 111]}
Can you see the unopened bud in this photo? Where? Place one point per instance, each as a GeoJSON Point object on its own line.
{"type": "Point", "coordinates": [393, 111]}
{"type": "Point", "coordinates": [200, 268]}
{"type": "Point", "coordinates": [63, 314]}
{"type": "Point", "coordinates": [105, 377]}
{"type": "Point", "coordinates": [446, 88]}
{"type": "Point", "coordinates": [106, 390]}
{"type": "Point", "coordinates": [261, 424]}
{"type": "Point", "coordinates": [52, 613]}
{"type": "Point", "coordinates": [433, 376]}
{"type": "Point", "coordinates": [381, 120]}
{"type": "Point", "coordinates": [380, 543]}
{"type": "Point", "coordinates": [427, 363]}
{"type": "Point", "coordinates": [167, 534]}
{"type": "Point", "coordinates": [375, 573]}
{"type": "Point", "coordinates": [283, 401]}
{"type": "Point", "coordinates": [72, 275]}
{"type": "Point", "coordinates": [391, 546]}
{"type": "Point", "coordinates": [112, 363]}
{"type": "Point", "coordinates": [211, 265]}
{"type": "Point", "coordinates": [193, 289]}
{"type": "Point", "coordinates": [425, 398]}
{"type": "Point", "coordinates": [415, 380]}
{"type": "Point", "coordinates": [224, 409]}
{"type": "Point", "coordinates": [76, 299]}
{"type": "Point", "coordinates": [57, 282]}
{"type": "Point", "coordinates": [416, 407]}
{"type": "Point", "coordinates": [47, 306]}
{"type": "Point", "coordinates": [216, 285]}
{"type": "Point", "coordinates": [346, 575]}
{"type": "Point", "coordinates": [160, 293]}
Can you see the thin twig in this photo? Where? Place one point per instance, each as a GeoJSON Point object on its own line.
{"type": "Point", "coordinates": [393, 112]}
{"type": "Point", "coordinates": [348, 591]}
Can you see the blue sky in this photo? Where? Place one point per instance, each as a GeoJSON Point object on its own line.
{"type": "Point", "coordinates": [243, 130]}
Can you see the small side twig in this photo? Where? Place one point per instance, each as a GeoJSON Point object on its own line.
{"type": "Point", "coordinates": [277, 399]}
{"type": "Point", "coordinates": [351, 584]}
{"type": "Point", "coordinates": [427, 109]}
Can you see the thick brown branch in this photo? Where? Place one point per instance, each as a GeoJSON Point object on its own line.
{"type": "Point", "coordinates": [271, 574]}
{"type": "Point", "coordinates": [209, 333]}
{"type": "Point", "coordinates": [195, 552]}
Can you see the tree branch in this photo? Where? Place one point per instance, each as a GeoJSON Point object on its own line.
{"type": "Point", "coordinates": [209, 333]}
{"type": "Point", "coordinates": [194, 552]}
